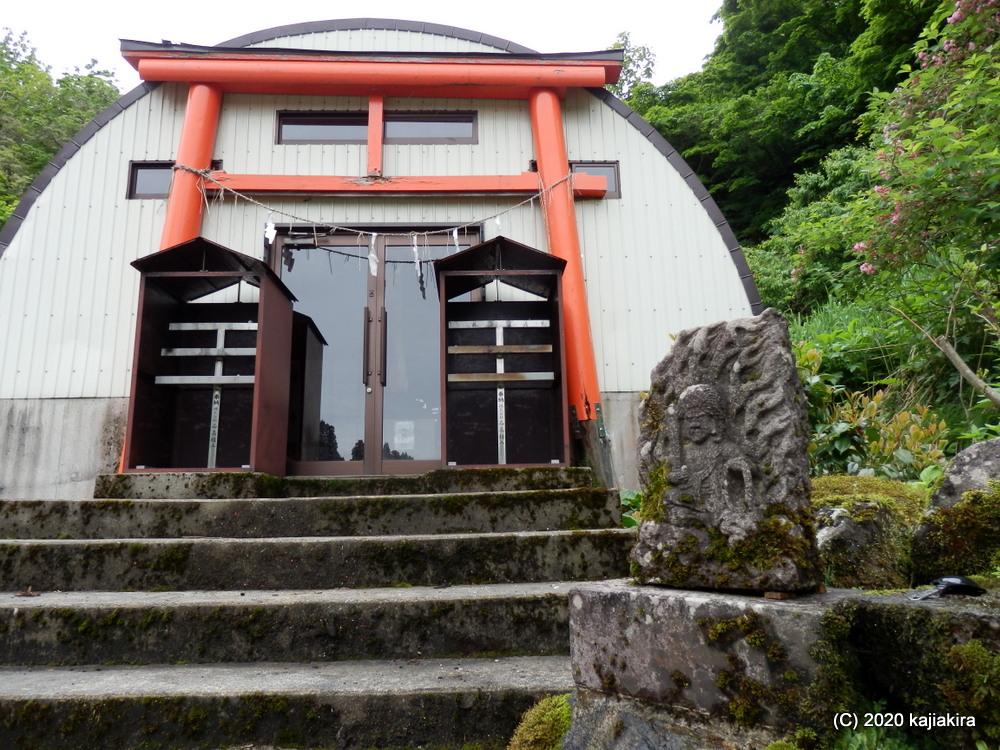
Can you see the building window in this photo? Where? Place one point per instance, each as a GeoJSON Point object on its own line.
{"type": "Point", "coordinates": [431, 127]}
{"type": "Point", "coordinates": [399, 127]}
{"type": "Point", "coordinates": [151, 179]}
{"type": "Point", "coordinates": [607, 169]}
{"type": "Point", "coordinates": [322, 127]}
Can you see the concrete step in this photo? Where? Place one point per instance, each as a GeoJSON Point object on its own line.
{"type": "Point", "coordinates": [520, 510]}
{"type": "Point", "coordinates": [312, 563]}
{"type": "Point", "coordinates": [339, 705]}
{"type": "Point", "coordinates": [256, 626]}
{"type": "Point", "coordinates": [227, 485]}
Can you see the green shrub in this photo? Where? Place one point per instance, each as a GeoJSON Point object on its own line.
{"type": "Point", "coordinates": [855, 432]}
{"type": "Point", "coordinates": [631, 502]}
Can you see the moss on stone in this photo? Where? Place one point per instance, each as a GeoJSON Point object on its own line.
{"type": "Point", "coordinates": [973, 686]}
{"type": "Point", "coordinates": [919, 642]}
{"type": "Point", "coordinates": [114, 506]}
{"type": "Point", "coordinates": [656, 484]}
{"type": "Point", "coordinates": [840, 491]}
{"type": "Point", "coordinates": [749, 700]}
{"type": "Point", "coordinates": [680, 680]}
{"type": "Point", "coordinates": [543, 725]}
{"type": "Point", "coordinates": [887, 512]}
{"type": "Point", "coordinates": [963, 539]}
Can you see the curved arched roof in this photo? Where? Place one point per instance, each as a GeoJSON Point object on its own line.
{"type": "Point", "coordinates": [348, 24]}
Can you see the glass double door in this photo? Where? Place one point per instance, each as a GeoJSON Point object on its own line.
{"type": "Point", "coordinates": [373, 300]}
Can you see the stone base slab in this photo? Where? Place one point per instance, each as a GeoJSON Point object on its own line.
{"type": "Point", "coordinates": [709, 654]}
{"type": "Point", "coordinates": [612, 722]}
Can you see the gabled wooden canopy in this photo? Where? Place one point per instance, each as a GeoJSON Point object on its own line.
{"type": "Point", "coordinates": [200, 267]}
{"type": "Point", "coordinates": [503, 259]}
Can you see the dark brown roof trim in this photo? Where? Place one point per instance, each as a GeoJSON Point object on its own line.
{"type": "Point", "coordinates": [715, 213]}
{"type": "Point", "coordinates": [74, 144]}
{"type": "Point", "coordinates": [318, 27]}
{"type": "Point", "coordinates": [193, 50]}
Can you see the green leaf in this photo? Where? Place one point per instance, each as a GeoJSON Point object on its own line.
{"type": "Point", "coordinates": [903, 456]}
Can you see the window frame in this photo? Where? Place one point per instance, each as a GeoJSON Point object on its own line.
{"type": "Point", "coordinates": [360, 118]}
{"type": "Point", "coordinates": [578, 165]}
{"type": "Point", "coordinates": [165, 165]}
{"type": "Point", "coordinates": [156, 165]}
{"type": "Point", "coordinates": [356, 118]}
{"type": "Point", "coordinates": [425, 115]}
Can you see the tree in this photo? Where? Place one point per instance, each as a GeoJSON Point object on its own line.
{"type": "Point", "coordinates": [784, 87]}
{"type": "Point", "coordinates": [39, 115]}
{"type": "Point", "coordinates": [910, 224]}
{"type": "Point", "coordinates": [801, 265]}
{"type": "Point", "coordinates": [328, 449]}
{"type": "Point", "coordinates": [931, 223]}
{"type": "Point", "coordinates": [358, 451]}
{"type": "Point", "coordinates": [637, 66]}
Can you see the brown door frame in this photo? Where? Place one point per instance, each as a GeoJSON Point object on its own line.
{"type": "Point", "coordinates": [375, 354]}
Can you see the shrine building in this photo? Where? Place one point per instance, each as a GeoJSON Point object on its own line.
{"type": "Point", "coordinates": [351, 247]}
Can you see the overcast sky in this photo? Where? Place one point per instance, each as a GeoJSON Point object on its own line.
{"type": "Point", "coordinates": [68, 33]}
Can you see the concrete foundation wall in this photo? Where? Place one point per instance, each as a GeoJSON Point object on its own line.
{"type": "Point", "coordinates": [55, 448]}
{"type": "Point", "coordinates": [621, 422]}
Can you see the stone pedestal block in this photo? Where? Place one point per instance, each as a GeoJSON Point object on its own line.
{"type": "Point", "coordinates": [667, 669]}
{"type": "Point", "coordinates": [697, 655]}
{"type": "Point", "coordinates": [611, 722]}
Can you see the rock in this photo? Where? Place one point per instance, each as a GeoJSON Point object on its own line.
{"type": "Point", "coordinates": [971, 469]}
{"type": "Point", "coordinates": [865, 530]}
{"type": "Point", "coordinates": [855, 546]}
{"type": "Point", "coordinates": [723, 464]}
{"type": "Point", "coordinates": [960, 534]}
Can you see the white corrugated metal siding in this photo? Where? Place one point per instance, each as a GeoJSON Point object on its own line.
{"type": "Point", "coordinates": [654, 261]}
{"type": "Point", "coordinates": [67, 292]}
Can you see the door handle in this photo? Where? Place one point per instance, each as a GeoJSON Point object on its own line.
{"type": "Point", "coordinates": [366, 324]}
{"type": "Point", "coordinates": [385, 339]}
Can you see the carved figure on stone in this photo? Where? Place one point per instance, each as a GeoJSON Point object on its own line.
{"type": "Point", "coordinates": [713, 478]}
{"type": "Point", "coordinates": [723, 463]}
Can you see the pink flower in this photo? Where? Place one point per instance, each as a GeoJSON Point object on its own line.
{"type": "Point", "coordinates": [860, 247]}
{"type": "Point", "coordinates": [867, 268]}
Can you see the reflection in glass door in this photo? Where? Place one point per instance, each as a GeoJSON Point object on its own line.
{"type": "Point", "coordinates": [376, 306]}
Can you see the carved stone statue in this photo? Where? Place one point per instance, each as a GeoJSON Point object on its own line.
{"type": "Point", "coordinates": [723, 464]}
{"type": "Point", "coordinates": [713, 478]}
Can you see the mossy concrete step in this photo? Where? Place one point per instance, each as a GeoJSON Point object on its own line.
{"type": "Point", "coordinates": [312, 563]}
{"type": "Point", "coordinates": [340, 705]}
{"type": "Point", "coordinates": [255, 626]}
{"type": "Point", "coordinates": [193, 485]}
{"type": "Point", "coordinates": [520, 510]}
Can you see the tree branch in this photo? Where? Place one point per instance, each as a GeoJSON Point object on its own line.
{"type": "Point", "coordinates": [958, 363]}
{"type": "Point", "coordinates": [966, 372]}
